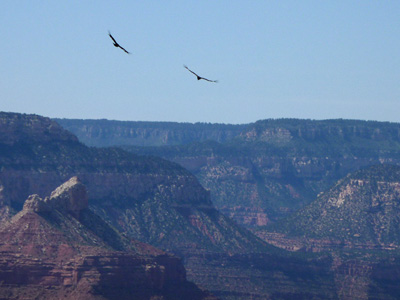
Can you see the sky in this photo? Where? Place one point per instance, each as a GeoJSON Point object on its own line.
{"type": "Point", "coordinates": [273, 59]}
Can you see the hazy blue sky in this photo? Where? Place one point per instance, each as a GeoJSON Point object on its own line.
{"type": "Point", "coordinates": [273, 59]}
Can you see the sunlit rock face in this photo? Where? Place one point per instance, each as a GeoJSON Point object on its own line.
{"type": "Point", "coordinates": [57, 248]}
{"type": "Point", "coordinates": [71, 197]}
{"type": "Point", "coordinates": [363, 208]}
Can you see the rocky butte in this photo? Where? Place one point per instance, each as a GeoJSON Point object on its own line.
{"type": "Point", "coordinates": [57, 247]}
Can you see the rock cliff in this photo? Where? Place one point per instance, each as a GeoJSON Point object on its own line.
{"type": "Point", "coordinates": [274, 167]}
{"type": "Point", "coordinates": [105, 133]}
{"type": "Point", "coordinates": [57, 248]}
{"type": "Point", "coordinates": [357, 221]}
{"type": "Point", "coordinates": [71, 197]}
{"type": "Point", "coordinates": [363, 207]}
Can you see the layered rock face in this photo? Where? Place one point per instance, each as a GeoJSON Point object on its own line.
{"type": "Point", "coordinates": [71, 197]}
{"type": "Point", "coordinates": [147, 198]}
{"type": "Point", "coordinates": [57, 248]}
{"type": "Point", "coordinates": [363, 207]}
{"type": "Point", "coordinates": [154, 200]}
{"type": "Point", "coordinates": [157, 202]}
{"type": "Point", "coordinates": [357, 221]}
{"type": "Point", "coordinates": [104, 133]}
{"type": "Point", "coordinates": [17, 128]}
{"type": "Point", "coordinates": [274, 167]}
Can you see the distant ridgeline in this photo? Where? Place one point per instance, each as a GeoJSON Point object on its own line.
{"type": "Point", "coordinates": [104, 133]}
{"type": "Point", "coordinates": [275, 132]}
{"type": "Point", "coordinates": [258, 172]}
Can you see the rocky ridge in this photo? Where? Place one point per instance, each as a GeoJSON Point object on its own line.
{"type": "Point", "coordinates": [274, 167]}
{"type": "Point", "coordinates": [357, 222]}
{"type": "Point", "coordinates": [363, 207]}
{"type": "Point", "coordinates": [57, 248]}
{"type": "Point", "coordinates": [105, 133]}
{"type": "Point", "coordinates": [71, 197]}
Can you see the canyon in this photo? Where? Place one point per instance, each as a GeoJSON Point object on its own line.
{"type": "Point", "coordinates": [259, 177]}
{"type": "Point", "coordinates": [148, 199]}
{"type": "Point", "coordinates": [262, 171]}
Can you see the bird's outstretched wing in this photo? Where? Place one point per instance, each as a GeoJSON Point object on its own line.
{"type": "Point", "coordinates": [124, 49]}
{"type": "Point", "coordinates": [209, 79]}
{"type": "Point", "coordinates": [199, 77]}
{"type": "Point", "coordinates": [191, 71]}
{"type": "Point", "coordinates": [115, 42]}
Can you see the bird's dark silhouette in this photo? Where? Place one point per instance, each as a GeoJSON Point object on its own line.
{"type": "Point", "coordinates": [199, 77]}
{"type": "Point", "coordinates": [116, 44]}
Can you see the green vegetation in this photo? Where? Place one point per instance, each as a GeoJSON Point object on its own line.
{"type": "Point", "coordinates": [362, 208]}
{"type": "Point", "coordinates": [280, 165]}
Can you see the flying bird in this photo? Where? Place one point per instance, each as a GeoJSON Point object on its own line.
{"type": "Point", "coordinates": [199, 77]}
{"type": "Point", "coordinates": [116, 44]}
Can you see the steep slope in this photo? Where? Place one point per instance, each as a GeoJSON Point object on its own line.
{"type": "Point", "coordinates": [357, 221]}
{"type": "Point", "coordinates": [275, 167]}
{"type": "Point", "coordinates": [57, 248]}
{"type": "Point", "coordinates": [363, 207]}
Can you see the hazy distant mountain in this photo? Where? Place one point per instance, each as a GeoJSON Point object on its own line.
{"type": "Point", "coordinates": [105, 133]}
{"type": "Point", "coordinates": [265, 170]}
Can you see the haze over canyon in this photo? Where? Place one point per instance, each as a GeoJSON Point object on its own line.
{"type": "Point", "coordinates": [276, 209]}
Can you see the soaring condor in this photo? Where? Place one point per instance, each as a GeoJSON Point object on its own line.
{"type": "Point", "coordinates": [116, 44]}
{"type": "Point", "coordinates": [199, 77]}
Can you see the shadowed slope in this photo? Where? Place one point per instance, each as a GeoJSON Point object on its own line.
{"type": "Point", "coordinates": [52, 243]}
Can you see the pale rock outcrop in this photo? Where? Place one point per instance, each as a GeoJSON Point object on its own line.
{"type": "Point", "coordinates": [70, 197]}
{"type": "Point", "coordinates": [36, 204]}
